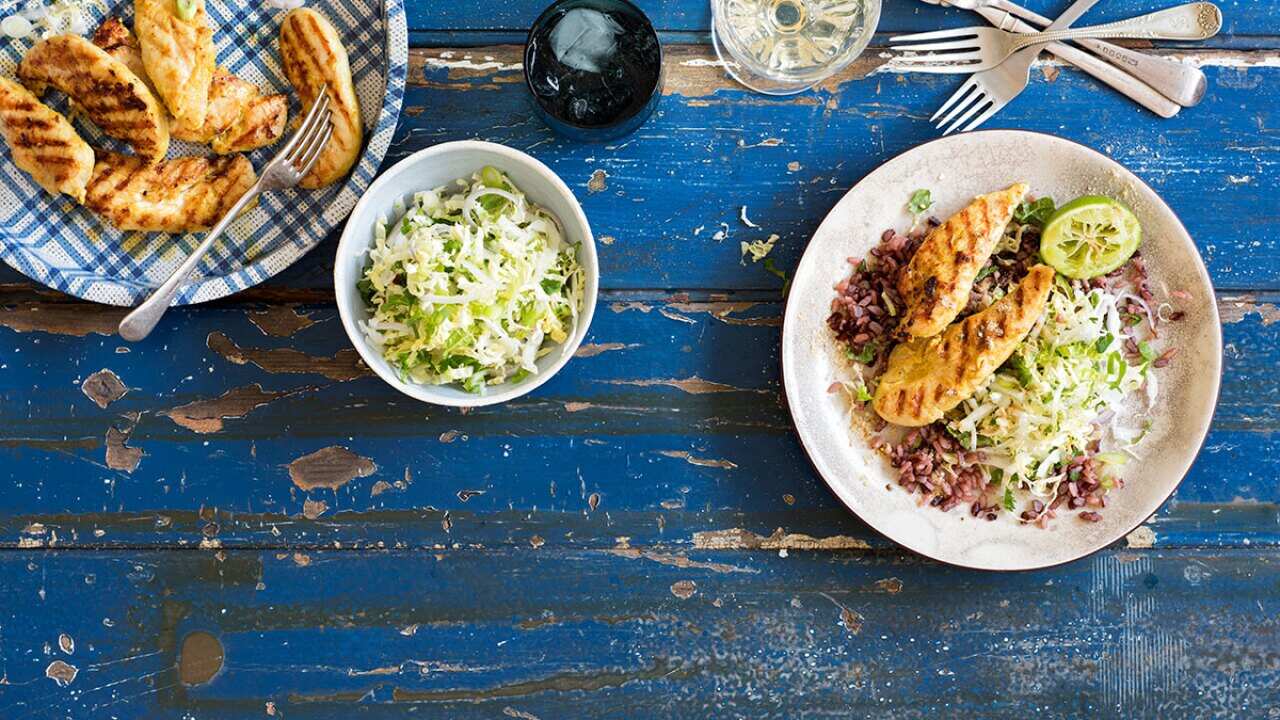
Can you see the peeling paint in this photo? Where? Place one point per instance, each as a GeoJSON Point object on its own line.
{"type": "Point", "coordinates": [76, 320]}
{"type": "Point", "coordinates": [103, 388]}
{"type": "Point", "coordinates": [700, 462]}
{"type": "Point", "coordinates": [680, 561]}
{"type": "Point", "coordinates": [345, 365]}
{"type": "Point", "coordinates": [597, 183]}
{"type": "Point", "coordinates": [206, 416]}
{"type": "Point", "coordinates": [119, 455]}
{"type": "Point", "coordinates": [692, 385]}
{"type": "Point", "coordinates": [1235, 309]}
{"type": "Point", "coordinates": [892, 585]}
{"type": "Point", "coordinates": [601, 348]}
{"type": "Point", "coordinates": [61, 673]}
{"type": "Point", "coordinates": [280, 321]}
{"type": "Point", "coordinates": [1141, 537]}
{"type": "Point", "coordinates": [684, 589]}
{"type": "Point", "coordinates": [330, 467]}
{"type": "Point", "coordinates": [739, 539]}
{"type": "Point", "coordinates": [725, 311]}
{"type": "Point", "coordinates": [312, 509]}
{"type": "Point", "coordinates": [200, 658]}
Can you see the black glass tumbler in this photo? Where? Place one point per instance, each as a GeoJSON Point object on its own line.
{"type": "Point", "coordinates": [594, 68]}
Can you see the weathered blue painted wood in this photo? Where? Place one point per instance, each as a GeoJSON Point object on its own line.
{"type": "Point", "coordinates": [1242, 16]}
{"type": "Point", "coordinates": [673, 421]}
{"type": "Point", "coordinates": [618, 634]}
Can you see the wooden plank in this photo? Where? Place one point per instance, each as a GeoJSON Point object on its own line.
{"type": "Point", "coordinates": [322, 635]}
{"type": "Point", "coordinates": [1242, 16]}
{"type": "Point", "coordinates": [670, 425]}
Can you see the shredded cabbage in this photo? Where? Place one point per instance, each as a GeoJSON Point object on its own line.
{"type": "Point", "coordinates": [473, 284]}
{"type": "Point", "coordinates": [1057, 393]}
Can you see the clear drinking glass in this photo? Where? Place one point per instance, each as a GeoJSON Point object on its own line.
{"type": "Point", "coordinates": [780, 47]}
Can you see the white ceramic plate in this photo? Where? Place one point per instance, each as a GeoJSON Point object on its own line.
{"type": "Point", "coordinates": [956, 169]}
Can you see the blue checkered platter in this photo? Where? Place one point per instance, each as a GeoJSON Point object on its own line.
{"type": "Point", "coordinates": [62, 243]}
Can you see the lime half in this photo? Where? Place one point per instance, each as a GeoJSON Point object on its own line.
{"type": "Point", "coordinates": [1090, 236]}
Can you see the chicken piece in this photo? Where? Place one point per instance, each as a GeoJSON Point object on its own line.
{"type": "Point", "coordinates": [935, 285]}
{"type": "Point", "coordinates": [238, 117]}
{"type": "Point", "coordinates": [178, 195]}
{"type": "Point", "coordinates": [43, 143]}
{"type": "Point", "coordinates": [926, 377]}
{"type": "Point", "coordinates": [179, 56]}
{"type": "Point", "coordinates": [314, 58]}
{"type": "Point", "coordinates": [111, 95]}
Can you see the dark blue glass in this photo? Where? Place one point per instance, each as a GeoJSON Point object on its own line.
{"type": "Point", "coordinates": [594, 68]}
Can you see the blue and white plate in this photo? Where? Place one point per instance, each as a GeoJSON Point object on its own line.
{"type": "Point", "coordinates": [60, 244]}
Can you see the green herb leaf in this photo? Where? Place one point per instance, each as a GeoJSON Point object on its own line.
{"type": "Point", "coordinates": [1145, 349]}
{"type": "Point", "coordinates": [406, 227]}
{"type": "Point", "coordinates": [921, 200]}
{"type": "Point", "coordinates": [984, 272]}
{"type": "Point", "coordinates": [861, 393]}
{"type": "Point", "coordinates": [1009, 502]}
{"type": "Point", "coordinates": [866, 355]}
{"type": "Point", "coordinates": [1104, 342]}
{"type": "Point", "coordinates": [1034, 212]}
{"type": "Point", "coordinates": [1019, 366]}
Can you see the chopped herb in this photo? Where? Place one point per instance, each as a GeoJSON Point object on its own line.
{"type": "Point", "coordinates": [1035, 212]}
{"type": "Point", "coordinates": [1009, 503]}
{"type": "Point", "coordinates": [861, 267]}
{"type": "Point", "coordinates": [921, 200]}
{"type": "Point", "coordinates": [1144, 349]}
{"type": "Point", "coordinates": [406, 227]}
{"type": "Point", "coordinates": [866, 355]}
{"type": "Point", "coordinates": [861, 393]}
{"type": "Point", "coordinates": [984, 272]}
{"type": "Point", "coordinates": [1130, 319]}
{"type": "Point", "coordinates": [1104, 342]}
{"type": "Point", "coordinates": [1018, 365]}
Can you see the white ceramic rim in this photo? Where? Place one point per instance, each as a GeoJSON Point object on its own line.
{"type": "Point", "coordinates": [848, 497]}
{"type": "Point", "coordinates": [353, 237]}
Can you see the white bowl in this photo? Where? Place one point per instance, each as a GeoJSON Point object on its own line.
{"type": "Point", "coordinates": [430, 168]}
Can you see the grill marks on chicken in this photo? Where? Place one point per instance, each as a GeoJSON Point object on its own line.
{"type": "Point", "coordinates": [315, 60]}
{"type": "Point", "coordinates": [179, 195]}
{"type": "Point", "coordinates": [43, 143]}
{"type": "Point", "coordinates": [112, 96]}
{"type": "Point", "coordinates": [926, 377]}
{"type": "Point", "coordinates": [937, 281]}
{"type": "Point", "coordinates": [178, 55]}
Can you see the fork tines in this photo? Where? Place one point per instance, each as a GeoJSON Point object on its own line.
{"type": "Point", "coordinates": [303, 148]}
{"type": "Point", "coordinates": [959, 50]}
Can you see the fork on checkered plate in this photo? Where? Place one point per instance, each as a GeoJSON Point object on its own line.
{"type": "Point", "coordinates": [285, 170]}
{"type": "Point", "coordinates": [971, 49]}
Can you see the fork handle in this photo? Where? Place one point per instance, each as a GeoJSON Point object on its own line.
{"type": "Point", "coordinates": [1182, 83]}
{"type": "Point", "coordinates": [1192, 21]}
{"type": "Point", "coordinates": [142, 320]}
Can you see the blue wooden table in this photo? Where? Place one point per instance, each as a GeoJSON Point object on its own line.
{"type": "Point", "coordinates": [235, 519]}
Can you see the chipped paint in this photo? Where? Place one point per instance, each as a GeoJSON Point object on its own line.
{"type": "Point", "coordinates": [280, 321]}
{"type": "Point", "coordinates": [63, 319]}
{"type": "Point", "coordinates": [103, 388]}
{"type": "Point", "coordinates": [684, 589]}
{"type": "Point", "coordinates": [200, 658]}
{"type": "Point", "coordinates": [597, 182]}
{"type": "Point", "coordinates": [674, 560]}
{"type": "Point", "coordinates": [739, 539]}
{"type": "Point", "coordinates": [692, 385]}
{"type": "Point", "coordinates": [61, 672]}
{"type": "Point", "coordinates": [449, 436]}
{"type": "Point", "coordinates": [891, 585]}
{"type": "Point", "coordinates": [1236, 308]}
{"type": "Point", "coordinates": [66, 644]}
{"type": "Point", "coordinates": [312, 509]}
{"type": "Point", "coordinates": [119, 455]}
{"type": "Point", "coordinates": [519, 714]}
{"type": "Point", "coordinates": [1141, 537]}
{"type": "Point", "coordinates": [600, 348]}
{"type": "Point", "coordinates": [330, 467]}
{"type": "Point", "coordinates": [725, 312]}
{"type": "Point", "coordinates": [206, 416]}
{"type": "Point", "coordinates": [700, 462]}
{"type": "Point", "coordinates": [344, 365]}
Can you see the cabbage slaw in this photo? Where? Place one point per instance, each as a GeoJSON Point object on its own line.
{"type": "Point", "coordinates": [472, 285]}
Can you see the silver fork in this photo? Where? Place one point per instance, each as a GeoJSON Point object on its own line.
{"type": "Point", "coordinates": [982, 48]}
{"type": "Point", "coordinates": [1182, 83]}
{"type": "Point", "coordinates": [990, 90]}
{"type": "Point", "coordinates": [285, 170]}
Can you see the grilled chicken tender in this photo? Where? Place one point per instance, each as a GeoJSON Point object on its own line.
{"type": "Point", "coordinates": [43, 143]}
{"type": "Point", "coordinates": [178, 55]}
{"type": "Point", "coordinates": [112, 96]}
{"type": "Point", "coordinates": [935, 285]}
{"type": "Point", "coordinates": [179, 195]}
{"type": "Point", "coordinates": [238, 117]}
{"type": "Point", "coordinates": [314, 58]}
{"type": "Point", "coordinates": [926, 377]}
